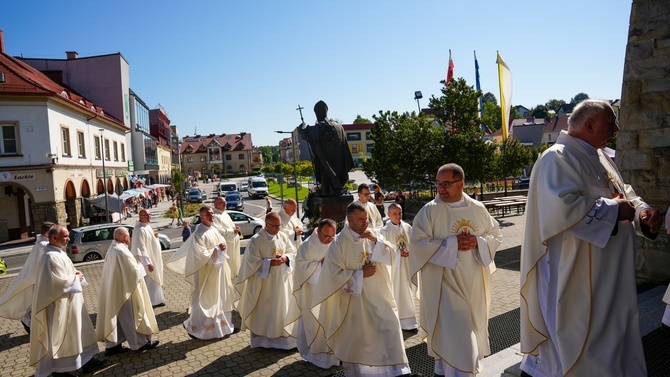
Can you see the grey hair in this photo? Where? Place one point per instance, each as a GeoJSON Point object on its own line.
{"type": "Point", "coordinates": [586, 110]}
{"type": "Point", "coordinates": [455, 169]}
{"type": "Point", "coordinates": [120, 232]}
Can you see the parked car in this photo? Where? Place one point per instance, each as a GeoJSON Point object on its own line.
{"type": "Point", "coordinates": [249, 225]}
{"type": "Point", "coordinates": [234, 201]}
{"type": "Point", "coordinates": [195, 196]}
{"type": "Point", "coordinates": [244, 186]}
{"type": "Point", "coordinates": [521, 184]}
{"type": "Point", "coordinates": [90, 243]}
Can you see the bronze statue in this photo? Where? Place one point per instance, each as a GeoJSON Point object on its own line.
{"type": "Point", "coordinates": [330, 153]}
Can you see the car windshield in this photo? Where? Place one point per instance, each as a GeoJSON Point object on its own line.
{"type": "Point", "coordinates": [234, 197]}
{"type": "Point", "coordinates": [259, 184]}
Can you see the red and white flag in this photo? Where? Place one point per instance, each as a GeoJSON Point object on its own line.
{"type": "Point", "coordinates": [450, 71]}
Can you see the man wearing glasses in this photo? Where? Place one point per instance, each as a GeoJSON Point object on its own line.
{"type": "Point", "coordinates": [265, 283]}
{"type": "Point", "coordinates": [454, 239]}
{"type": "Point", "coordinates": [374, 217]}
{"type": "Point", "coordinates": [147, 249]}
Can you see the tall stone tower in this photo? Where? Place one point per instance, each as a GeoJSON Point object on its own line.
{"type": "Point", "coordinates": [643, 145]}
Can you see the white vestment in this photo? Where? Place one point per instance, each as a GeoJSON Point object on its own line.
{"type": "Point", "coordinates": [666, 297]}
{"type": "Point", "coordinates": [267, 306]}
{"type": "Point", "coordinates": [305, 280]}
{"type": "Point", "coordinates": [147, 249]}
{"type": "Point", "coordinates": [124, 307]}
{"type": "Point", "coordinates": [455, 285]}
{"type": "Point", "coordinates": [62, 337]}
{"type": "Point", "coordinates": [375, 220]}
{"type": "Point", "coordinates": [404, 284]}
{"type": "Point", "coordinates": [288, 224]}
{"type": "Point", "coordinates": [226, 227]}
{"type": "Point", "coordinates": [17, 299]}
{"type": "Point", "coordinates": [359, 321]}
{"type": "Point", "coordinates": [579, 312]}
{"type": "Point", "coordinates": [205, 268]}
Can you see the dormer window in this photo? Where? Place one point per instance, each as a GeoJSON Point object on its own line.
{"type": "Point", "coordinates": [64, 94]}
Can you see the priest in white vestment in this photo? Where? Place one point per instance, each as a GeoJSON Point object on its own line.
{"type": "Point", "coordinates": [454, 240]}
{"type": "Point", "coordinates": [265, 284]}
{"type": "Point", "coordinates": [146, 248]}
{"type": "Point", "coordinates": [231, 232]}
{"type": "Point", "coordinates": [354, 302]}
{"type": "Point", "coordinates": [397, 232]}
{"type": "Point", "coordinates": [202, 259]}
{"type": "Point", "coordinates": [579, 313]}
{"type": "Point", "coordinates": [291, 226]}
{"type": "Point", "coordinates": [17, 300]}
{"type": "Point", "coordinates": [375, 220]}
{"type": "Point", "coordinates": [124, 307]}
{"type": "Point", "coordinates": [306, 278]}
{"type": "Point", "coordinates": [62, 337]}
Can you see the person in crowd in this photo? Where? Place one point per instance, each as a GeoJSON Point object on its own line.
{"type": "Point", "coordinates": [475, 194]}
{"type": "Point", "coordinates": [180, 220]}
{"type": "Point", "coordinates": [231, 232]}
{"type": "Point", "coordinates": [579, 312]}
{"type": "Point", "coordinates": [290, 225]}
{"type": "Point", "coordinates": [308, 262]}
{"type": "Point", "coordinates": [397, 233]}
{"type": "Point", "coordinates": [378, 199]}
{"type": "Point", "coordinates": [202, 261]}
{"type": "Point", "coordinates": [124, 307]}
{"type": "Point", "coordinates": [355, 305]}
{"type": "Point", "coordinates": [175, 215]}
{"type": "Point", "coordinates": [374, 217]}
{"type": "Point", "coordinates": [17, 300]}
{"type": "Point", "coordinates": [454, 240]}
{"type": "Point", "coordinates": [305, 210]}
{"type": "Point", "coordinates": [185, 231]}
{"type": "Point", "coordinates": [400, 200]}
{"type": "Point", "coordinates": [265, 284]}
{"type": "Point", "coordinates": [146, 248]}
{"type": "Point", "coordinates": [62, 337]}
{"type": "Point", "coordinates": [268, 205]}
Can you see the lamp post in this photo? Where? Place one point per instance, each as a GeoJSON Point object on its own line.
{"type": "Point", "coordinates": [417, 97]}
{"type": "Point", "coordinates": [104, 171]}
{"type": "Point", "coordinates": [294, 139]}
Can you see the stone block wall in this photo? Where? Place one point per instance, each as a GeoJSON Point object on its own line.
{"type": "Point", "coordinates": [643, 144]}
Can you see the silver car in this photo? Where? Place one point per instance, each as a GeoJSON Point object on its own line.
{"type": "Point", "coordinates": [249, 225]}
{"type": "Point", "coordinates": [90, 243]}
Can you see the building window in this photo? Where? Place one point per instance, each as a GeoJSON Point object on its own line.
{"type": "Point", "coordinates": [97, 148]}
{"type": "Point", "coordinates": [116, 151]}
{"type": "Point", "coordinates": [240, 156]}
{"type": "Point", "coordinates": [189, 159]}
{"type": "Point", "coordinates": [354, 148]}
{"type": "Point", "coordinates": [107, 150]}
{"type": "Point", "coordinates": [9, 138]}
{"type": "Point", "coordinates": [203, 158]}
{"type": "Point", "coordinates": [228, 158]}
{"type": "Point", "coordinates": [65, 138]}
{"type": "Point", "coordinates": [367, 135]}
{"type": "Point", "coordinates": [354, 136]}
{"type": "Point", "coordinates": [370, 147]}
{"type": "Point", "coordinates": [123, 152]}
{"type": "Point", "coordinates": [80, 144]}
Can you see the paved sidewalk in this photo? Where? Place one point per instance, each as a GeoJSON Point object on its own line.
{"type": "Point", "coordinates": [179, 355]}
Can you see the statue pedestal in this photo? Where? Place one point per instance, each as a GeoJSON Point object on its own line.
{"type": "Point", "coordinates": [333, 207]}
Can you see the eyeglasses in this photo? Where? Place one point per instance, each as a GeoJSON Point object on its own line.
{"type": "Point", "coordinates": [446, 184]}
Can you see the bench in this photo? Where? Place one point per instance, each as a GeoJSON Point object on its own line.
{"type": "Point", "coordinates": [506, 207]}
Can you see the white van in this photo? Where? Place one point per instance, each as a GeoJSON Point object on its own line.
{"type": "Point", "coordinates": [226, 186]}
{"type": "Point", "coordinates": [258, 187]}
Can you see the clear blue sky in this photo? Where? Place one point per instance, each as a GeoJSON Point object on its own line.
{"type": "Point", "coordinates": [232, 66]}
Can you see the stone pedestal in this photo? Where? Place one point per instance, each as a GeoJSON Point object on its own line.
{"type": "Point", "coordinates": [333, 207]}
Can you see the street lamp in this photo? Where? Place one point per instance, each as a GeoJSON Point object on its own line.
{"type": "Point", "coordinates": [294, 139]}
{"type": "Point", "coordinates": [104, 172]}
{"type": "Point", "coordinates": [417, 97]}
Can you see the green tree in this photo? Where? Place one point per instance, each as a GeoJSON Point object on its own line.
{"type": "Point", "coordinates": [360, 120]}
{"type": "Point", "coordinates": [267, 169]}
{"type": "Point", "coordinates": [540, 111]}
{"type": "Point", "coordinates": [492, 118]}
{"type": "Point", "coordinates": [511, 158]}
{"type": "Point", "coordinates": [305, 168]}
{"type": "Point", "coordinates": [178, 179]}
{"type": "Point", "coordinates": [579, 97]}
{"type": "Point", "coordinates": [554, 104]}
{"type": "Point", "coordinates": [270, 153]}
{"type": "Point", "coordinates": [489, 97]}
{"type": "Point", "coordinates": [405, 150]}
{"type": "Point", "coordinates": [458, 107]}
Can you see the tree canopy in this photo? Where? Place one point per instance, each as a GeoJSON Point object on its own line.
{"type": "Point", "coordinates": [579, 97]}
{"type": "Point", "coordinates": [360, 120]}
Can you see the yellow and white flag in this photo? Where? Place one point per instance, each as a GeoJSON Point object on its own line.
{"type": "Point", "coordinates": [505, 81]}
